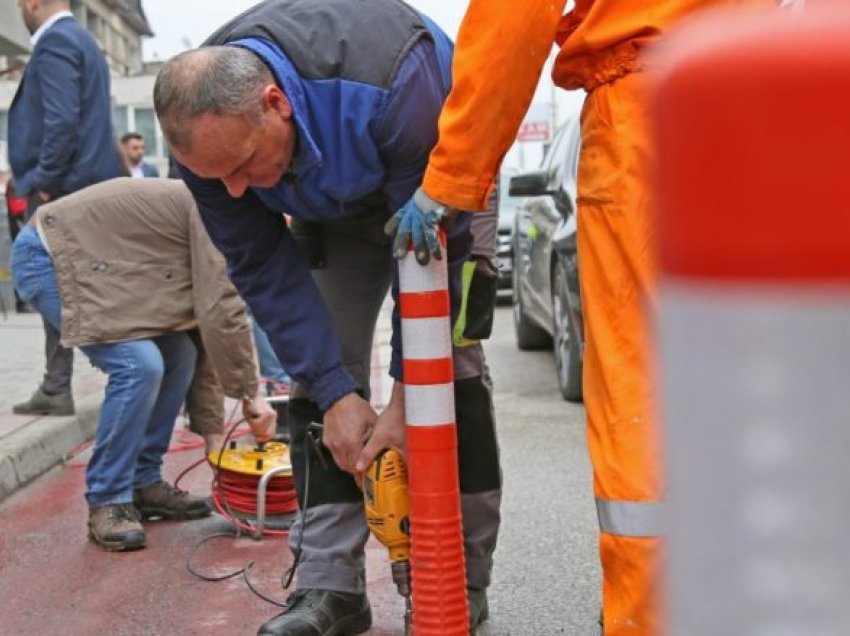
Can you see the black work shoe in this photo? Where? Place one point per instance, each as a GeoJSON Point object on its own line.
{"type": "Point", "coordinates": [43, 404]}
{"type": "Point", "coordinates": [116, 527]}
{"type": "Point", "coordinates": [161, 500]}
{"type": "Point", "coordinates": [320, 613]}
{"type": "Point", "coordinates": [479, 610]}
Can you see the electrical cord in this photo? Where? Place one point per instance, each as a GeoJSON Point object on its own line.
{"type": "Point", "coordinates": [188, 470]}
{"type": "Point", "coordinates": [257, 592]}
{"type": "Point", "coordinates": [314, 435]}
{"type": "Point", "coordinates": [236, 532]}
{"type": "Point", "coordinates": [214, 577]}
{"type": "Point", "coordinates": [224, 488]}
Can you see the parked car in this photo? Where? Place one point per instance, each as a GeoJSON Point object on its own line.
{"type": "Point", "coordinates": [508, 206]}
{"type": "Point", "coordinates": [546, 298]}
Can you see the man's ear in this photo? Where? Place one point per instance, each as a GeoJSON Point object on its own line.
{"type": "Point", "coordinates": [275, 99]}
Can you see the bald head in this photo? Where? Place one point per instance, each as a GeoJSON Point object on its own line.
{"type": "Point", "coordinates": [216, 80]}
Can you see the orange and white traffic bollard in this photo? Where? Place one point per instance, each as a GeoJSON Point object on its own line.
{"type": "Point", "coordinates": [753, 139]}
{"type": "Point", "coordinates": [437, 558]}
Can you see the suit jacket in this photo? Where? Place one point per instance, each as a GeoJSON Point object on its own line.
{"type": "Point", "coordinates": [60, 121]}
{"type": "Point", "coordinates": [149, 170]}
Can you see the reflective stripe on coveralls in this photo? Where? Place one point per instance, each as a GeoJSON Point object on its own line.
{"type": "Point", "coordinates": [437, 555]}
{"type": "Point", "coordinates": [755, 308]}
{"type": "Point", "coordinates": [628, 518]}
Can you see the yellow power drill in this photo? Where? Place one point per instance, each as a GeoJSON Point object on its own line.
{"type": "Point", "coordinates": [388, 515]}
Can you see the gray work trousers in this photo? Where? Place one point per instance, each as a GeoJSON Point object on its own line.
{"type": "Point", "coordinates": [357, 273]}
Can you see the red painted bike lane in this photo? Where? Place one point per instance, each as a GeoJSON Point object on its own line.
{"type": "Point", "coordinates": [54, 581]}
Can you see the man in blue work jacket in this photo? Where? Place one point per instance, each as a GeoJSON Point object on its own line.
{"type": "Point", "coordinates": [327, 110]}
{"type": "Point", "coordinates": [60, 141]}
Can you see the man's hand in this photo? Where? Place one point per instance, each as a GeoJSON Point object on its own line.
{"type": "Point", "coordinates": [389, 431]}
{"type": "Point", "coordinates": [347, 426]}
{"type": "Point", "coordinates": [261, 417]}
{"type": "Point", "coordinates": [45, 197]}
{"type": "Point", "coordinates": [418, 221]}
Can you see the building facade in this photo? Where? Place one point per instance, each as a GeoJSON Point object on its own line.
{"type": "Point", "coordinates": [118, 26]}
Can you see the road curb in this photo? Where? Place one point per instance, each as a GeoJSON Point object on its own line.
{"type": "Point", "coordinates": [39, 446]}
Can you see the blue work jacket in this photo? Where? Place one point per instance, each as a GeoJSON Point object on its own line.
{"type": "Point", "coordinates": [366, 89]}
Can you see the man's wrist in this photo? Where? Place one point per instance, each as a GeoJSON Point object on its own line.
{"type": "Point", "coordinates": [332, 387]}
{"type": "Point", "coordinates": [424, 202]}
{"type": "Point", "coordinates": [341, 398]}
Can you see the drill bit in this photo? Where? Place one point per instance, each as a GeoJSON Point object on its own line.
{"type": "Point", "coordinates": [408, 616]}
{"type": "Point", "coordinates": [401, 578]}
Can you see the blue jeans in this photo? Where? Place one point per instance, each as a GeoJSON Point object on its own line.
{"type": "Point", "coordinates": [148, 381]}
{"type": "Point", "coordinates": [270, 367]}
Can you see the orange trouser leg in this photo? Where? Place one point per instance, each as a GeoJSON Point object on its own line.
{"type": "Point", "coordinates": [616, 264]}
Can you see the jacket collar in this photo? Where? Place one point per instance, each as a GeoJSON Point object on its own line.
{"type": "Point", "coordinates": [49, 22]}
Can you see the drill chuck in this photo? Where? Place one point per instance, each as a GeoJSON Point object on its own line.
{"type": "Point", "coordinates": [401, 576]}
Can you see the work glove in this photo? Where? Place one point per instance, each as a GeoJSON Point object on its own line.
{"type": "Point", "coordinates": [418, 221]}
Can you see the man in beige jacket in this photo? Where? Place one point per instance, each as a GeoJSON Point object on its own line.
{"type": "Point", "coordinates": [127, 273]}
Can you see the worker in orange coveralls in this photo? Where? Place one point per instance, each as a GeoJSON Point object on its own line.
{"type": "Point", "coordinates": [501, 49]}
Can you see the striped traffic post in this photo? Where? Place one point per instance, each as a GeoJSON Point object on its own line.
{"type": "Point", "coordinates": [437, 558]}
{"type": "Point", "coordinates": [752, 120]}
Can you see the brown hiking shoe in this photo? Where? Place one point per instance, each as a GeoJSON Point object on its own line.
{"type": "Point", "coordinates": [116, 527]}
{"type": "Point", "coordinates": [42, 404]}
{"type": "Point", "coordinates": [164, 501]}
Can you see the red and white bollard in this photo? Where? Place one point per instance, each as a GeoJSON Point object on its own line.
{"type": "Point", "coordinates": [437, 558]}
{"type": "Point", "coordinates": [752, 121]}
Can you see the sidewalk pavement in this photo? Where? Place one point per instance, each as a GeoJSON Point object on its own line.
{"type": "Point", "coordinates": [32, 445]}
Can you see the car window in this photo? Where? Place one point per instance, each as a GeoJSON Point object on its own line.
{"type": "Point", "coordinates": [506, 201]}
{"type": "Point", "coordinates": [555, 150]}
{"type": "Point", "coordinates": [561, 159]}
{"type": "Point", "coordinates": [573, 147]}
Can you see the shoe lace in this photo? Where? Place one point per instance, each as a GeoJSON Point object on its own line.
{"type": "Point", "coordinates": [124, 512]}
{"type": "Point", "coordinates": [172, 490]}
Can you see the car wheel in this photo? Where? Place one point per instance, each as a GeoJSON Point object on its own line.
{"type": "Point", "coordinates": [529, 337]}
{"type": "Point", "coordinates": [568, 363]}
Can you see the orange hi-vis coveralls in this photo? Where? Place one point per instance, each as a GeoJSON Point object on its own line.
{"type": "Point", "coordinates": [501, 49]}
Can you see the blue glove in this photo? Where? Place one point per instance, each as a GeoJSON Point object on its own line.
{"type": "Point", "coordinates": [417, 220]}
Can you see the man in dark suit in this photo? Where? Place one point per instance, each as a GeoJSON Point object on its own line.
{"type": "Point", "coordinates": [133, 145]}
{"type": "Point", "coordinates": [60, 141]}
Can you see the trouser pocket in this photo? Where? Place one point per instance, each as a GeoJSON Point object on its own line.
{"type": "Point", "coordinates": [478, 303]}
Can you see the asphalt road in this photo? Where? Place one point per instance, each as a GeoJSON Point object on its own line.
{"type": "Point", "coordinates": [546, 578]}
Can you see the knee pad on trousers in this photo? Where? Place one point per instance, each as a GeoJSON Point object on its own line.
{"type": "Point", "coordinates": [478, 449]}
{"type": "Point", "coordinates": [328, 483]}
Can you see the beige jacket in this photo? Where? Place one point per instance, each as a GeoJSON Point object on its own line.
{"type": "Point", "coordinates": [133, 260]}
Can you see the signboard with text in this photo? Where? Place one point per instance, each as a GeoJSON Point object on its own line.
{"type": "Point", "coordinates": [534, 131]}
